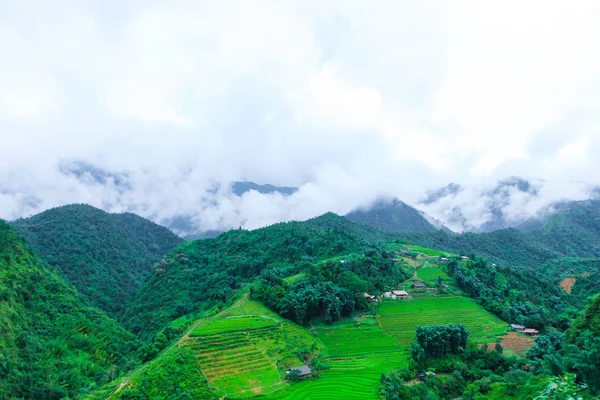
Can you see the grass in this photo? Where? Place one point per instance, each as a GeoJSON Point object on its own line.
{"type": "Point", "coordinates": [400, 318]}
{"type": "Point", "coordinates": [291, 279]}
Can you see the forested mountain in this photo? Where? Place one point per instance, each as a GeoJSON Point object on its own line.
{"type": "Point", "coordinates": [203, 274]}
{"type": "Point", "coordinates": [392, 215]}
{"type": "Point", "coordinates": [52, 344]}
{"type": "Point", "coordinates": [241, 187]}
{"type": "Point", "coordinates": [106, 256]}
{"type": "Point", "coordinates": [573, 232]}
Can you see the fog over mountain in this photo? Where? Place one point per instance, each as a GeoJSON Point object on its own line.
{"type": "Point", "coordinates": [507, 203]}
{"type": "Point", "coordinates": [158, 109]}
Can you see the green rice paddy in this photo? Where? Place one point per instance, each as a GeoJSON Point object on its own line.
{"type": "Point", "coordinates": [358, 352]}
{"type": "Point", "coordinates": [400, 318]}
{"type": "Point", "coordinates": [234, 323]}
{"type": "Point", "coordinates": [431, 274]}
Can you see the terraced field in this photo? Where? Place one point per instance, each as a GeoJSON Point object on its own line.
{"type": "Point", "coordinates": [234, 324]}
{"type": "Point", "coordinates": [400, 318]}
{"type": "Point", "coordinates": [233, 364]}
{"type": "Point", "coordinates": [359, 351]}
{"type": "Point", "coordinates": [243, 350]}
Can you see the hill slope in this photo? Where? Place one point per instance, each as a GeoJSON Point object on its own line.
{"type": "Point", "coordinates": [52, 345]}
{"type": "Point", "coordinates": [106, 256]}
{"type": "Point", "coordinates": [392, 215]}
{"type": "Point", "coordinates": [204, 273]}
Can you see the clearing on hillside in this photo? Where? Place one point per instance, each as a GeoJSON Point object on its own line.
{"type": "Point", "coordinates": [400, 318]}
{"type": "Point", "coordinates": [358, 352]}
{"type": "Point", "coordinates": [517, 343]}
{"type": "Point", "coordinates": [567, 284]}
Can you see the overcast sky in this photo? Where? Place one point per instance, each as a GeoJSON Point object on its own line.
{"type": "Point", "coordinates": [345, 99]}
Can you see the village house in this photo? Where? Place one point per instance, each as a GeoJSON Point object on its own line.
{"type": "Point", "coordinates": [530, 332]}
{"type": "Point", "coordinates": [418, 285]}
{"type": "Point", "coordinates": [400, 293]}
{"type": "Point", "coordinates": [304, 371]}
{"type": "Point", "coordinates": [442, 260]}
{"type": "Point", "coordinates": [464, 258]}
{"type": "Point", "coordinates": [370, 298]}
{"type": "Point", "coordinates": [516, 327]}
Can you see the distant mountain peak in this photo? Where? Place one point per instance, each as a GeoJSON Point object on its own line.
{"type": "Point", "coordinates": [240, 187]}
{"type": "Point", "coordinates": [391, 215]}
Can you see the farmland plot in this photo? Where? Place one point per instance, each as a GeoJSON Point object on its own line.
{"type": "Point", "coordinates": [244, 355]}
{"type": "Point", "coordinates": [401, 318]}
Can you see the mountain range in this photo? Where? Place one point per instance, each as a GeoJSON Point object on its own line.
{"type": "Point", "coordinates": [100, 305]}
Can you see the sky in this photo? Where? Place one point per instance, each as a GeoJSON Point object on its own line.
{"type": "Point", "coordinates": [346, 100]}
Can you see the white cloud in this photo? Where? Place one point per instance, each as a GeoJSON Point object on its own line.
{"type": "Point", "coordinates": [346, 101]}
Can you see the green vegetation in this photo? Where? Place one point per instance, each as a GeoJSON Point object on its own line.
{"type": "Point", "coordinates": [400, 318]}
{"type": "Point", "coordinates": [240, 352]}
{"type": "Point", "coordinates": [174, 376]}
{"type": "Point", "coordinates": [106, 256]}
{"type": "Point", "coordinates": [229, 324]}
{"type": "Point", "coordinates": [516, 296]}
{"type": "Point", "coordinates": [227, 317]}
{"type": "Point", "coordinates": [205, 274]}
{"type": "Point", "coordinates": [52, 345]}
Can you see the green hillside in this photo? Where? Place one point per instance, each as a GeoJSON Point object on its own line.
{"type": "Point", "coordinates": [204, 274]}
{"type": "Point", "coordinates": [106, 256]}
{"type": "Point", "coordinates": [52, 344]}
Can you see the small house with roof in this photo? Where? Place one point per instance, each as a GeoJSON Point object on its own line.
{"type": "Point", "coordinates": [302, 371]}
{"type": "Point", "coordinates": [400, 293]}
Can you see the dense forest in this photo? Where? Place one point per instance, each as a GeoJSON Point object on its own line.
{"type": "Point", "coordinates": [329, 289]}
{"type": "Point", "coordinates": [106, 256]}
{"type": "Point", "coordinates": [516, 296]}
{"type": "Point", "coordinates": [52, 344]}
{"type": "Point", "coordinates": [206, 273]}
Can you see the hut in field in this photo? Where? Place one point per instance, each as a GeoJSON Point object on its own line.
{"type": "Point", "coordinates": [530, 332]}
{"type": "Point", "coordinates": [302, 371]}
